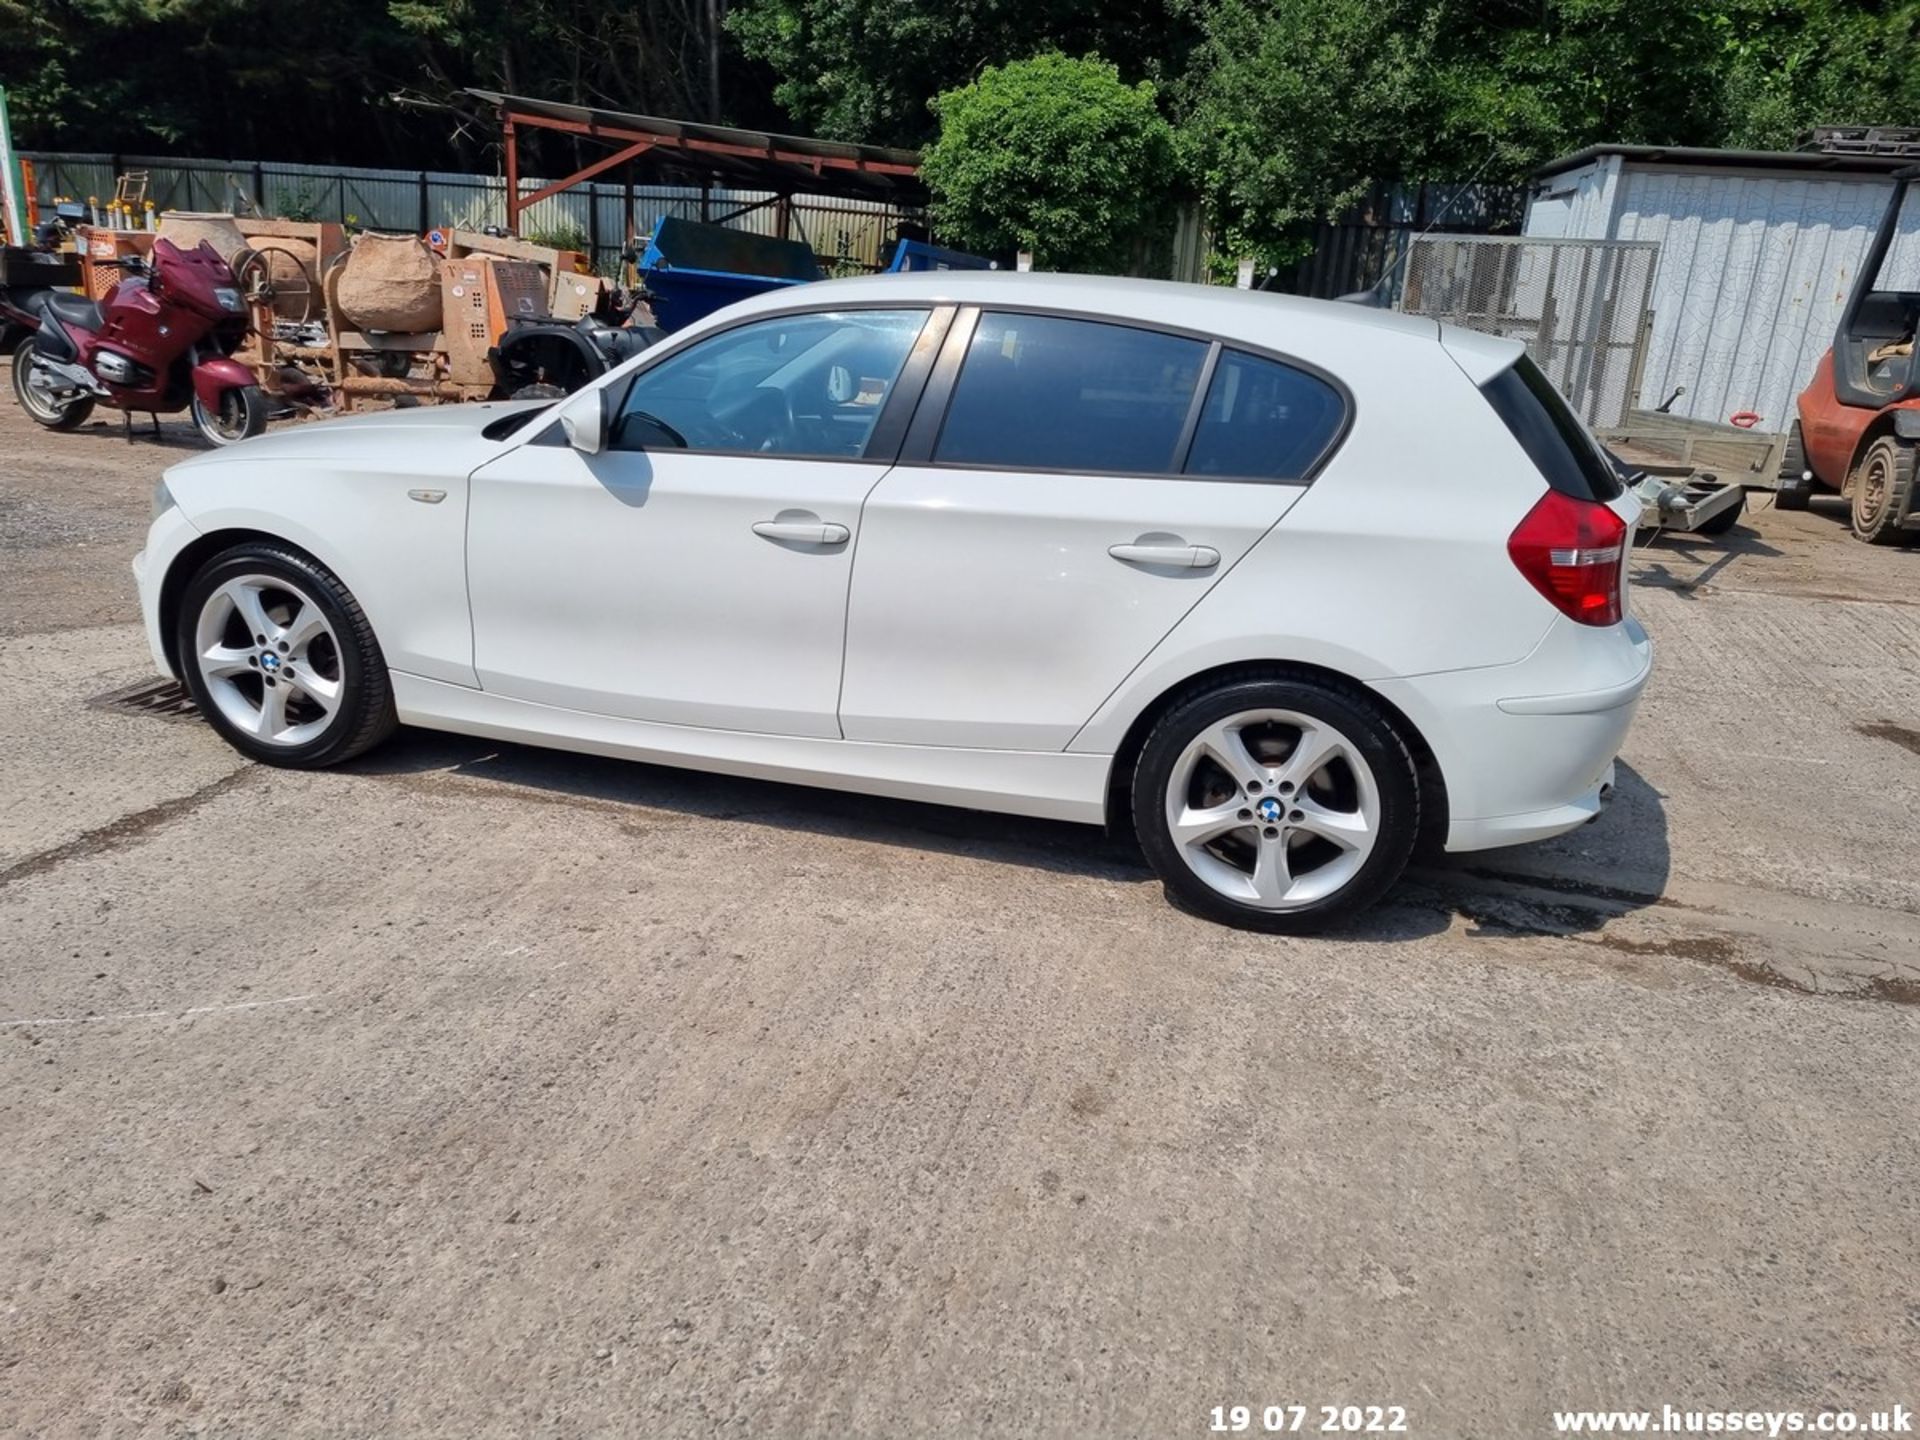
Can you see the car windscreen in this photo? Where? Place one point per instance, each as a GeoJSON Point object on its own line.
{"type": "Point", "coordinates": [1550, 433]}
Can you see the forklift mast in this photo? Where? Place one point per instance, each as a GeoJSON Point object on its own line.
{"type": "Point", "coordinates": [1876, 322]}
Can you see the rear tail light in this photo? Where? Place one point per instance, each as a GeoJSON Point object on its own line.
{"type": "Point", "coordinates": [1570, 551]}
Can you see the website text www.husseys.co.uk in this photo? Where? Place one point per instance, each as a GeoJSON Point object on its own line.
{"type": "Point", "coordinates": [1668, 1421]}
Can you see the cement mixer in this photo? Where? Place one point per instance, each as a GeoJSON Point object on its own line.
{"type": "Point", "coordinates": [390, 284]}
{"type": "Point", "coordinates": [403, 323]}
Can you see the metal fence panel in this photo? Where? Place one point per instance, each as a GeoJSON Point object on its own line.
{"type": "Point", "coordinates": [1583, 308]}
{"type": "Point", "coordinates": [847, 234]}
{"type": "Point", "coordinates": [1354, 251]}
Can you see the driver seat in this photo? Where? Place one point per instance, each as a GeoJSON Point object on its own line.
{"type": "Point", "coordinates": [69, 309]}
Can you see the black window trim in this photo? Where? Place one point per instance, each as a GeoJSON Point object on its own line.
{"type": "Point", "coordinates": [1576, 443]}
{"type": "Point", "coordinates": [929, 419]}
{"type": "Point", "coordinates": [889, 428]}
{"type": "Point", "coordinates": [1190, 430]}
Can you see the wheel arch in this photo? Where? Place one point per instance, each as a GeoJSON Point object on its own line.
{"type": "Point", "coordinates": [1901, 422]}
{"type": "Point", "coordinates": [1434, 810]}
{"type": "Point", "coordinates": [186, 564]}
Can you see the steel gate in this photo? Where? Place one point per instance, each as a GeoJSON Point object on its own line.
{"type": "Point", "coordinates": [1583, 308]}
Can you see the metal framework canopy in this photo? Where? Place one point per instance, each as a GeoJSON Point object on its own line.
{"type": "Point", "coordinates": [679, 152]}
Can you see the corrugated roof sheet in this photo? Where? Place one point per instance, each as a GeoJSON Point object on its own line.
{"type": "Point", "coordinates": [1729, 159]}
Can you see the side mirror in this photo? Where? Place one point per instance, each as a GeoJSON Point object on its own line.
{"type": "Point", "coordinates": [585, 420]}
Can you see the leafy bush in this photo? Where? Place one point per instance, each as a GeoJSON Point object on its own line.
{"type": "Point", "coordinates": [1053, 155]}
{"type": "Point", "coordinates": [297, 202]}
{"type": "Point", "coordinates": [564, 236]}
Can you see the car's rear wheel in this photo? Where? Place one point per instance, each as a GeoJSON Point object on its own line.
{"type": "Point", "coordinates": [1276, 803]}
{"type": "Point", "coordinates": [281, 660]}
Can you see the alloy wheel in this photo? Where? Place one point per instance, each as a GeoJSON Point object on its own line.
{"type": "Point", "coordinates": [270, 659]}
{"type": "Point", "coordinates": [1273, 808]}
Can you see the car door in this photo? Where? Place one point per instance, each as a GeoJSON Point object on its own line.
{"type": "Point", "coordinates": [695, 571]}
{"type": "Point", "coordinates": [1069, 489]}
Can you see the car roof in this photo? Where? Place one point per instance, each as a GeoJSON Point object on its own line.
{"type": "Point", "coordinates": [1210, 309]}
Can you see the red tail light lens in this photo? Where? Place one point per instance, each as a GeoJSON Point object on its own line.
{"type": "Point", "coordinates": [1570, 552]}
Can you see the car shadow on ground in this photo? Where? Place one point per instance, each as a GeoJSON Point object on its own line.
{"type": "Point", "coordinates": [1570, 885]}
{"type": "Point", "coordinates": [1697, 559]}
{"type": "Point", "coordinates": [1565, 886]}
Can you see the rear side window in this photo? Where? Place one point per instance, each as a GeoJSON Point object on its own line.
{"type": "Point", "coordinates": [1263, 420]}
{"type": "Point", "coordinates": [1550, 433]}
{"type": "Point", "coordinates": [1042, 393]}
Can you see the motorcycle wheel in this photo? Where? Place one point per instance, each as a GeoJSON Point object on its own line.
{"type": "Point", "coordinates": [242, 414]}
{"type": "Point", "coordinates": [41, 407]}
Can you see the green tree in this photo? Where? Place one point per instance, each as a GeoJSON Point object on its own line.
{"type": "Point", "coordinates": [864, 70]}
{"type": "Point", "coordinates": [1292, 109]}
{"type": "Point", "coordinates": [1053, 155]}
{"type": "Point", "coordinates": [1294, 106]}
{"type": "Point", "coordinates": [1786, 67]}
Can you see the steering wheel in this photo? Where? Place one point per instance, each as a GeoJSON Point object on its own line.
{"type": "Point", "coordinates": [764, 412]}
{"type": "Point", "coordinates": [652, 421]}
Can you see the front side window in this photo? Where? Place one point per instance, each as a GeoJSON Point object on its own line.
{"type": "Point", "coordinates": [1043, 393]}
{"type": "Point", "coordinates": [793, 385]}
{"type": "Point", "coordinates": [1263, 420]}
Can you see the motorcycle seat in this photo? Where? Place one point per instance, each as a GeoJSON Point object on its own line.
{"type": "Point", "coordinates": [69, 309]}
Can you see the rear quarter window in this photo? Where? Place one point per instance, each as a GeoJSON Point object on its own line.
{"type": "Point", "coordinates": [1560, 447]}
{"type": "Point", "coordinates": [1264, 421]}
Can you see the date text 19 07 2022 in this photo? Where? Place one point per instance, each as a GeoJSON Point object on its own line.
{"type": "Point", "coordinates": [1311, 1419]}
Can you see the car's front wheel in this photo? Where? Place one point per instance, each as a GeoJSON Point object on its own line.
{"type": "Point", "coordinates": [281, 660]}
{"type": "Point", "coordinates": [1276, 803]}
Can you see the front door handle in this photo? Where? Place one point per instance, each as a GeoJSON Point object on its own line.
{"type": "Point", "coordinates": [802, 532]}
{"type": "Point", "coordinates": [1180, 557]}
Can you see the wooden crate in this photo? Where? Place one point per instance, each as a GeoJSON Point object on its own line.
{"type": "Point", "coordinates": [99, 245]}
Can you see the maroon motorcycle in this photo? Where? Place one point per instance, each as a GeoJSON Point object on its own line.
{"type": "Point", "coordinates": [161, 342]}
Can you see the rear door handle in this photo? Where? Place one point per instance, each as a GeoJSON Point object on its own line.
{"type": "Point", "coordinates": [1182, 557]}
{"type": "Point", "coordinates": [802, 532]}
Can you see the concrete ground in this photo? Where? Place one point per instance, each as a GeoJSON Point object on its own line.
{"type": "Point", "coordinates": [485, 1090]}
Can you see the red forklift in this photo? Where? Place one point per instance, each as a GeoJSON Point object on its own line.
{"type": "Point", "coordinates": [1859, 419]}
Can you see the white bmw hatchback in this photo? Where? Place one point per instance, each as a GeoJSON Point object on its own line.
{"type": "Point", "coordinates": [1282, 586]}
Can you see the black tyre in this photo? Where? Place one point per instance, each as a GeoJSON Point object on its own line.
{"type": "Point", "coordinates": [1882, 490]}
{"type": "Point", "coordinates": [1793, 490]}
{"type": "Point", "coordinates": [1276, 803]}
{"type": "Point", "coordinates": [281, 660]}
{"type": "Point", "coordinates": [239, 414]}
{"type": "Point", "coordinates": [42, 408]}
{"type": "Point", "coordinates": [1723, 522]}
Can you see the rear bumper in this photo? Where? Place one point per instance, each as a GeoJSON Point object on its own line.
{"type": "Point", "coordinates": [1525, 754]}
{"type": "Point", "coordinates": [1532, 825]}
